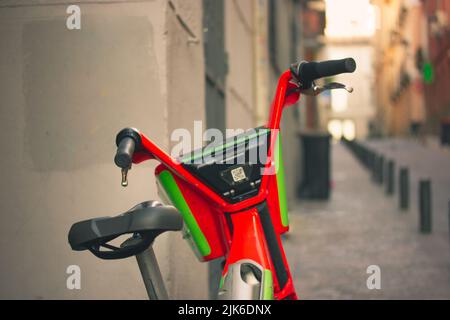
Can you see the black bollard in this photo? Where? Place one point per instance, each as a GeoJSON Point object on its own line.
{"type": "Point", "coordinates": [425, 206]}
{"type": "Point", "coordinates": [366, 157]}
{"type": "Point", "coordinates": [374, 167]}
{"type": "Point", "coordinates": [404, 188]}
{"type": "Point", "coordinates": [369, 159]}
{"type": "Point", "coordinates": [372, 162]}
{"type": "Point", "coordinates": [380, 172]}
{"type": "Point", "coordinates": [390, 177]}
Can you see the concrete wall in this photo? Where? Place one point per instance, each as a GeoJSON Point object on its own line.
{"type": "Point", "coordinates": [239, 31]}
{"type": "Point", "coordinates": [65, 94]}
{"type": "Point", "coordinates": [290, 125]}
{"type": "Point", "coordinates": [251, 81]}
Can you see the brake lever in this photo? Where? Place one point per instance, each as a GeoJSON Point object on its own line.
{"type": "Point", "coordinates": [124, 182]}
{"type": "Point", "coordinates": [316, 90]}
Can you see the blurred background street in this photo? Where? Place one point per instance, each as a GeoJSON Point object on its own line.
{"type": "Point", "coordinates": [400, 115]}
{"type": "Point", "coordinates": [160, 65]}
{"type": "Point", "coordinates": [333, 242]}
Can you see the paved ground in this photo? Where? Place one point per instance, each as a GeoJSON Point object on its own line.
{"type": "Point", "coordinates": [332, 243]}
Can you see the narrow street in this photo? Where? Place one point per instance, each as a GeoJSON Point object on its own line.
{"type": "Point", "coordinates": [332, 243]}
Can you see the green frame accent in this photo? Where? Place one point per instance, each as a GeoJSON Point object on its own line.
{"type": "Point", "coordinates": [176, 197]}
{"type": "Point", "coordinates": [267, 285]}
{"type": "Point", "coordinates": [279, 167]}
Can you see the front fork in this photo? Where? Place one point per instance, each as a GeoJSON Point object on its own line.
{"type": "Point", "coordinates": [256, 267]}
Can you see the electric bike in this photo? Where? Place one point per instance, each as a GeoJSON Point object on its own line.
{"type": "Point", "coordinates": [228, 199]}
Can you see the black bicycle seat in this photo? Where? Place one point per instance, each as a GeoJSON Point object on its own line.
{"type": "Point", "coordinates": [145, 222]}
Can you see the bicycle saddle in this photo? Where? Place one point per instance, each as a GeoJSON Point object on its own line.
{"type": "Point", "coordinates": [145, 221]}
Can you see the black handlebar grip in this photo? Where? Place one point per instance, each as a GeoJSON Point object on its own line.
{"type": "Point", "coordinates": [128, 141]}
{"type": "Point", "coordinates": [125, 151]}
{"type": "Point", "coordinates": [310, 71]}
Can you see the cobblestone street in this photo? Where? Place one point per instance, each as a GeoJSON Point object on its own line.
{"type": "Point", "coordinates": [332, 243]}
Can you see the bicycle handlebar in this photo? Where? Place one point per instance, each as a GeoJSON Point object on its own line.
{"type": "Point", "coordinates": [307, 72]}
{"type": "Point", "coordinates": [128, 141]}
{"type": "Point", "coordinates": [124, 155]}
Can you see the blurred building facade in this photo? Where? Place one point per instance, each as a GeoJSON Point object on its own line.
{"type": "Point", "coordinates": [348, 34]}
{"type": "Point", "coordinates": [331, 31]}
{"type": "Point", "coordinates": [411, 66]}
{"type": "Point", "coordinates": [155, 65]}
{"type": "Point", "coordinates": [437, 94]}
{"type": "Point", "coordinates": [313, 21]}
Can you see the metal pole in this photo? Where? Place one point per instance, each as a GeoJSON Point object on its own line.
{"type": "Point", "coordinates": [380, 169]}
{"type": "Point", "coordinates": [404, 188]}
{"type": "Point", "coordinates": [425, 206]}
{"type": "Point", "coordinates": [364, 155]}
{"type": "Point", "coordinates": [390, 177]}
{"type": "Point", "coordinates": [374, 167]}
{"type": "Point", "coordinates": [148, 265]}
{"type": "Point", "coordinates": [367, 157]}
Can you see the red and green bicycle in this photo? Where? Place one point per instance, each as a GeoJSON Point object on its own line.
{"type": "Point", "coordinates": [229, 200]}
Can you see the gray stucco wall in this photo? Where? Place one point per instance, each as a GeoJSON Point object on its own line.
{"type": "Point", "coordinates": [65, 94]}
{"type": "Point", "coordinates": [252, 78]}
{"type": "Point", "coordinates": [240, 86]}
{"type": "Point", "coordinates": [290, 124]}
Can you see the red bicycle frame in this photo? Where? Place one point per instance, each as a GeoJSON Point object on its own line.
{"type": "Point", "coordinates": [248, 230]}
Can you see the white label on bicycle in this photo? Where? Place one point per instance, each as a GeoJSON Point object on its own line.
{"type": "Point", "coordinates": [238, 174]}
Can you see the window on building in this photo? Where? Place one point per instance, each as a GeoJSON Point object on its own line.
{"type": "Point", "coordinates": [348, 129]}
{"type": "Point", "coordinates": [339, 100]}
{"type": "Point", "coordinates": [335, 129]}
{"type": "Point", "coordinates": [342, 128]}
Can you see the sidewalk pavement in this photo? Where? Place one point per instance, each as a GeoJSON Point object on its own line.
{"type": "Point", "coordinates": [332, 243]}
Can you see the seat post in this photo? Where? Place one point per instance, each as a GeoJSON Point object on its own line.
{"type": "Point", "coordinates": [154, 283]}
{"type": "Point", "coordinates": [151, 275]}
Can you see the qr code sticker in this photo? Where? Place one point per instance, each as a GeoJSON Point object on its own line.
{"type": "Point", "coordinates": [238, 174]}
